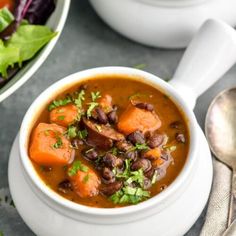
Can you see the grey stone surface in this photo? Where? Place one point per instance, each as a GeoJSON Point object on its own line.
{"type": "Point", "coordinates": [86, 42]}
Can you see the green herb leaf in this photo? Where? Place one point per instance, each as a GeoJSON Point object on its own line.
{"type": "Point", "coordinates": [61, 117]}
{"type": "Point", "coordinates": [95, 95]}
{"type": "Point", "coordinates": [139, 147]}
{"type": "Point", "coordinates": [71, 131]}
{"type": "Point", "coordinates": [91, 107]}
{"type": "Point", "coordinates": [79, 100]}
{"type": "Point", "coordinates": [59, 103]}
{"type": "Point", "coordinates": [58, 143]}
{"type": "Point", "coordinates": [86, 178]}
{"type": "Point", "coordinates": [77, 165]}
{"type": "Point", "coordinates": [6, 18]}
{"type": "Point", "coordinates": [82, 134]}
{"type": "Point", "coordinates": [140, 66]}
{"type": "Point", "coordinates": [129, 195]}
{"type": "Point", "coordinates": [136, 176]}
{"type": "Point", "coordinates": [29, 39]}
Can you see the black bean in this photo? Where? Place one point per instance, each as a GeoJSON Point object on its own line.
{"type": "Point", "coordinates": [143, 164]}
{"type": "Point", "coordinates": [108, 176]}
{"type": "Point", "coordinates": [175, 124]}
{"type": "Point", "coordinates": [136, 137]}
{"type": "Point", "coordinates": [132, 155]}
{"type": "Point", "coordinates": [91, 155]}
{"type": "Point", "coordinates": [150, 173]}
{"type": "Point", "coordinates": [109, 160]}
{"type": "Point", "coordinates": [180, 138]}
{"type": "Point", "coordinates": [155, 140]}
{"type": "Point", "coordinates": [111, 188]}
{"type": "Point", "coordinates": [124, 146]}
{"type": "Point", "coordinates": [147, 183]}
{"type": "Point", "coordinates": [112, 117]}
{"type": "Point", "coordinates": [101, 116]}
{"type": "Point", "coordinates": [144, 105]}
{"type": "Point", "coordinates": [65, 186]}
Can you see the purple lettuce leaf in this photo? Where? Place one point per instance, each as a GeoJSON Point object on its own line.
{"type": "Point", "coordinates": [35, 11]}
{"type": "Point", "coordinates": [39, 11]}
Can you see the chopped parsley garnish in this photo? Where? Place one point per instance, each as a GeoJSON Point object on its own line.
{"type": "Point", "coordinates": [59, 103]}
{"type": "Point", "coordinates": [79, 100]}
{"type": "Point", "coordinates": [91, 107]}
{"type": "Point", "coordinates": [86, 178]}
{"type": "Point", "coordinates": [140, 66]}
{"type": "Point", "coordinates": [139, 147]}
{"type": "Point", "coordinates": [77, 165]}
{"type": "Point", "coordinates": [61, 117]}
{"type": "Point", "coordinates": [95, 95]}
{"type": "Point", "coordinates": [129, 193]}
{"type": "Point", "coordinates": [93, 104]}
{"type": "Point", "coordinates": [114, 151]}
{"type": "Point", "coordinates": [71, 131]}
{"type": "Point", "coordinates": [58, 142]}
{"type": "Point", "coordinates": [82, 134]}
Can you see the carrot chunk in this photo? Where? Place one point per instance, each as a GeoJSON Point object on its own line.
{"type": "Point", "coordinates": [65, 115]}
{"type": "Point", "coordinates": [153, 154]}
{"type": "Point", "coordinates": [49, 146]}
{"type": "Point", "coordinates": [85, 183]}
{"type": "Point", "coordinates": [105, 103]}
{"type": "Point", "coordinates": [133, 119]}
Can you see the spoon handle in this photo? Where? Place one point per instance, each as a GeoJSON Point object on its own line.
{"type": "Point", "coordinates": [232, 209]}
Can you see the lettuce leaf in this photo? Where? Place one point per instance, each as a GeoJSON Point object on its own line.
{"type": "Point", "coordinates": [30, 39]}
{"type": "Point", "coordinates": [23, 45]}
{"type": "Point", "coordinates": [9, 55]}
{"type": "Point", "coordinates": [6, 18]}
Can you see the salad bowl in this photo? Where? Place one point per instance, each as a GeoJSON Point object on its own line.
{"type": "Point", "coordinates": [47, 213]}
{"type": "Point", "coordinates": [56, 23]}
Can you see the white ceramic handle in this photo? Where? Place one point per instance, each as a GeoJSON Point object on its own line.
{"type": "Point", "coordinates": [209, 55]}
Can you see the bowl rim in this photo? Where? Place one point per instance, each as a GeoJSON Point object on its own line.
{"type": "Point", "coordinates": [33, 65]}
{"type": "Point", "coordinates": [77, 77]}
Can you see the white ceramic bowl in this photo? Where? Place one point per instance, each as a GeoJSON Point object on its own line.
{"type": "Point", "coordinates": [56, 23]}
{"type": "Point", "coordinates": [200, 65]}
{"type": "Point", "coordinates": [163, 23]}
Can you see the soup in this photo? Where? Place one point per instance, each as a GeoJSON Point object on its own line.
{"type": "Point", "coordinates": [109, 142]}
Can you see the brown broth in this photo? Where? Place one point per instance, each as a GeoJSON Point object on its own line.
{"type": "Point", "coordinates": [121, 89]}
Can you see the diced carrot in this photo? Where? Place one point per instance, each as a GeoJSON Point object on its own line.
{"type": "Point", "coordinates": [133, 119]}
{"type": "Point", "coordinates": [105, 103]}
{"type": "Point", "coordinates": [65, 115]}
{"type": "Point", "coordinates": [158, 162]}
{"type": "Point", "coordinates": [49, 146]}
{"type": "Point", "coordinates": [153, 154]}
{"type": "Point", "coordinates": [85, 183]}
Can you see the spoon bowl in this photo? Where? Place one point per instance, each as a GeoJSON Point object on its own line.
{"type": "Point", "coordinates": [220, 129]}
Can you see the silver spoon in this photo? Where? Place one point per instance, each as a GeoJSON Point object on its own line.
{"type": "Point", "coordinates": [220, 129]}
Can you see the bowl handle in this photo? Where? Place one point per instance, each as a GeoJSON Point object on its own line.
{"type": "Point", "coordinates": [209, 55]}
